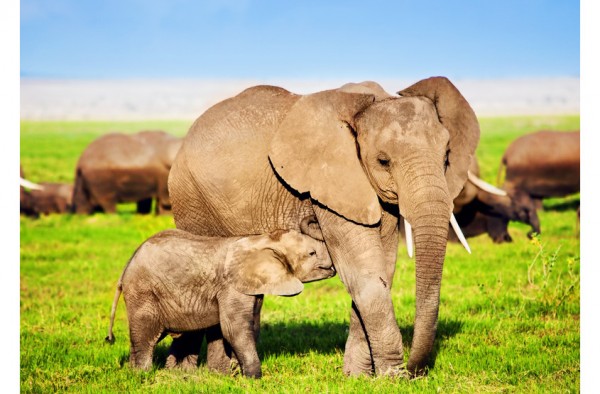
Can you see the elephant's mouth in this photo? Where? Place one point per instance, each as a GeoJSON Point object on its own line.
{"type": "Point", "coordinates": [388, 196]}
{"type": "Point", "coordinates": [330, 271]}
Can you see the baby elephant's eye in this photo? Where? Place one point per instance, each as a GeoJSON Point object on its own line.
{"type": "Point", "coordinates": [313, 253]}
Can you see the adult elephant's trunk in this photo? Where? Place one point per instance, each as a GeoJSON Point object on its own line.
{"type": "Point", "coordinates": [427, 209]}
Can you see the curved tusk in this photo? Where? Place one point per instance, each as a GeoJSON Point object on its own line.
{"type": "Point", "coordinates": [483, 185]}
{"type": "Point", "coordinates": [409, 238]}
{"type": "Point", "coordinates": [30, 185]}
{"type": "Point", "coordinates": [459, 233]}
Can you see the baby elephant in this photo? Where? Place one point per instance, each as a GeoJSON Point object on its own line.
{"type": "Point", "coordinates": [177, 282]}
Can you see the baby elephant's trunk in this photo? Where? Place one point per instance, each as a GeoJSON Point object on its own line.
{"type": "Point", "coordinates": [110, 338]}
{"type": "Point", "coordinates": [310, 226]}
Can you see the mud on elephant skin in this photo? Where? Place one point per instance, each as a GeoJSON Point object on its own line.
{"type": "Point", "coordinates": [176, 283]}
{"type": "Point", "coordinates": [343, 155]}
{"type": "Point", "coordinates": [540, 165]}
{"type": "Point", "coordinates": [117, 168]}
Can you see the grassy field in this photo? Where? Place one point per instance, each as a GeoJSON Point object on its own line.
{"type": "Point", "coordinates": [509, 314]}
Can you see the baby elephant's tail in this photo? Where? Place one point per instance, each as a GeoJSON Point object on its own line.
{"type": "Point", "coordinates": [110, 338]}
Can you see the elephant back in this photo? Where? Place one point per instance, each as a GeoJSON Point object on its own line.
{"type": "Point", "coordinates": [116, 150]}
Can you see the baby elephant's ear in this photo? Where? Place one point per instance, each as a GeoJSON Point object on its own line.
{"type": "Point", "coordinates": [261, 271]}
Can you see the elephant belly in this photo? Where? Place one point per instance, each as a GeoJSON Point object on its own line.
{"type": "Point", "coordinates": [547, 181]}
{"type": "Point", "coordinates": [189, 315]}
{"type": "Point", "coordinates": [125, 185]}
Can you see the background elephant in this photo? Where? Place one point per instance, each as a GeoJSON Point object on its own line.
{"type": "Point", "coordinates": [355, 157]}
{"type": "Point", "coordinates": [481, 208]}
{"type": "Point", "coordinates": [176, 282]}
{"type": "Point", "coordinates": [541, 165]}
{"type": "Point", "coordinates": [119, 167]}
{"type": "Point", "coordinates": [44, 198]}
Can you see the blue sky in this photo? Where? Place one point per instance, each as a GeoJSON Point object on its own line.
{"type": "Point", "coordinates": [303, 39]}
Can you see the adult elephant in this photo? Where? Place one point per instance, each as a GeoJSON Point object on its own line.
{"type": "Point", "coordinates": [481, 208]}
{"type": "Point", "coordinates": [119, 167]}
{"type": "Point", "coordinates": [355, 157]}
{"type": "Point", "coordinates": [540, 165]}
{"type": "Point", "coordinates": [44, 198]}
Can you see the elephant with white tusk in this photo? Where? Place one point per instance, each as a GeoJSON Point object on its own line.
{"type": "Point", "coordinates": [357, 158]}
{"type": "Point", "coordinates": [44, 198]}
{"type": "Point", "coordinates": [481, 208]}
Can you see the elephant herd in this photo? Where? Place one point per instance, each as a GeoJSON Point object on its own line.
{"type": "Point", "coordinates": [367, 167]}
{"type": "Point", "coordinates": [115, 168]}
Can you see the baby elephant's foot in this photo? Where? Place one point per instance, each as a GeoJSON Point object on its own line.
{"type": "Point", "coordinates": [252, 370]}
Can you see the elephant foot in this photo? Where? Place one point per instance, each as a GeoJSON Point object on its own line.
{"type": "Point", "coordinates": [185, 350]}
{"type": "Point", "coordinates": [357, 358]}
{"type": "Point", "coordinates": [189, 362]}
{"type": "Point", "coordinates": [220, 357]}
{"type": "Point", "coordinates": [501, 238]}
{"type": "Point", "coordinates": [532, 233]}
{"type": "Point", "coordinates": [397, 371]}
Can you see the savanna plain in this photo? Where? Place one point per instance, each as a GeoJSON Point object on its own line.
{"type": "Point", "coordinates": [508, 319]}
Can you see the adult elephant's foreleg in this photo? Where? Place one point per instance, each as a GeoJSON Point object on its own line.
{"type": "Point", "coordinates": [363, 266]}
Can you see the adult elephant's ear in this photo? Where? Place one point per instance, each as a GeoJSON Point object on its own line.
{"type": "Point", "coordinates": [314, 151]}
{"type": "Point", "coordinates": [259, 270]}
{"type": "Point", "coordinates": [457, 116]}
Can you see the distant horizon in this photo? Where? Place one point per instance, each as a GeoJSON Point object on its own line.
{"type": "Point", "coordinates": [187, 98]}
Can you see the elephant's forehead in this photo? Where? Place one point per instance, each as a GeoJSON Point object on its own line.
{"type": "Point", "coordinates": [402, 118]}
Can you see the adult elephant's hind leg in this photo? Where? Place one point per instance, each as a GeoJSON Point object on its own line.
{"type": "Point", "coordinates": [184, 350]}
{"type": "Point", "coordinates": [218, 351]}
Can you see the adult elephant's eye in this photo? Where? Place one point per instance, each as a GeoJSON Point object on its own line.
{"type": "Point", "coordinates": [446, 161]}
{"type": "Point", "coordinates": [383, 160]}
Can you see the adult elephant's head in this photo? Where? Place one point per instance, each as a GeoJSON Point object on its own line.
{"type": "Point", "coordinates": [351, 147]}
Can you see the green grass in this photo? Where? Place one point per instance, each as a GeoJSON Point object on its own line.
{"type": "Point", "coordinates": [509, 314]}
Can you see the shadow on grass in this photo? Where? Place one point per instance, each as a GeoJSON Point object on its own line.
{"type": "Point", "coordinates": [301, 338]}
{"type": "Point", "coordinates": [446, 329]}
{"type": "Point", "coordinates": [562, 206]}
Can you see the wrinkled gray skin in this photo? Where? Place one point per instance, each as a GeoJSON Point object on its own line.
{"type": "Point", "coordinates": [177, 282]}
{"type": "Point", "coordinates": [540, 165]}
{"type": "Point", "coordinates": [479, 212]}
{"type": "Point", "coordinates": [355, 157]}
{"type": "Point", "coordinates": [117, 168]}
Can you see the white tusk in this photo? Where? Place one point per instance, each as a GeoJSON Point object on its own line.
{"type": "Point", "coordinates": [409, 238]}
{"type": "Point", "coordinates": [30, 185]}
{"type": "Point", "coordinates": [459, 233]}
{"type": "Point", "coordinates": [483, 185]}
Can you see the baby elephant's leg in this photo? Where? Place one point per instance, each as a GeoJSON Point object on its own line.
{"type": "Point", "coordinates": [237, 325]}
{"type": "Point", "coordinates": [185, 349]}
{"type": "Point", "coordinates": [144, 333]}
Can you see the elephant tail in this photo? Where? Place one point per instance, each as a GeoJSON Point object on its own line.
{"type": "Point", "coordinates": [110, 338]}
